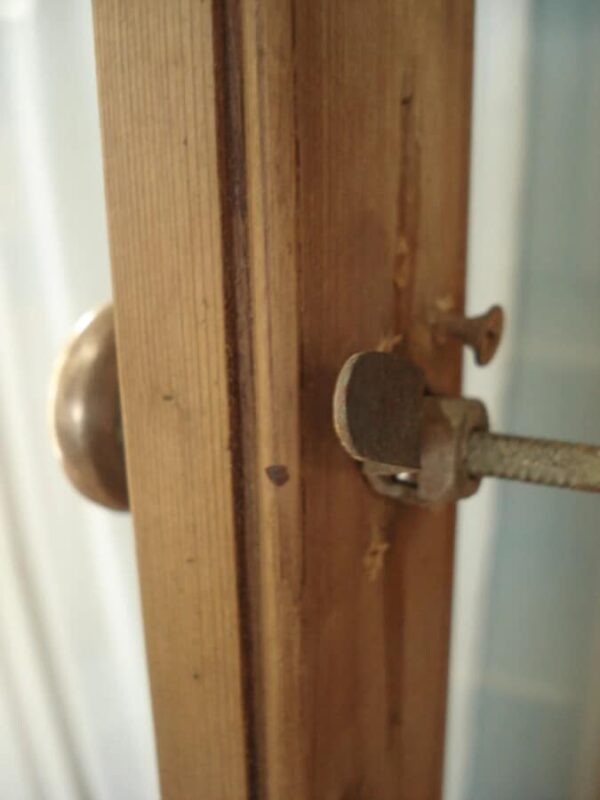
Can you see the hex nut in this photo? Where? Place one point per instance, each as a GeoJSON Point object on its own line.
{"type": "Point", "coordinates": [443, 476]}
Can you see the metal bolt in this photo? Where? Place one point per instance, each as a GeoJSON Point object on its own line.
{"type": "Point", "coordinates": [428, 450]}
{"type": "Point", "coordinates": [541, 461]}
{"type": "Point", "coordinates": [482, 334]}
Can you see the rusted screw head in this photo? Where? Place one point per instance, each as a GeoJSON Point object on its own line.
{"type": "Point", "coordinates": [483, 334]}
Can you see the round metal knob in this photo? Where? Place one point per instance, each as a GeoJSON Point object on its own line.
{"type": "Point", "coordinates": [86, 414]}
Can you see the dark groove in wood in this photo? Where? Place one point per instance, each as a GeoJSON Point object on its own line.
{"type": "Point", "coordinates": [236, 279]}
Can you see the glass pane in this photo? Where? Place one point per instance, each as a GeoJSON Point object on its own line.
{"type": "Point", "coordinates": [524, 718]}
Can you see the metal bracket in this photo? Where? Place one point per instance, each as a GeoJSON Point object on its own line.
{"type": "Point", "coordinates": [432, 450]}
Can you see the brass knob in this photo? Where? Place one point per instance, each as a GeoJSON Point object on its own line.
{"type": "Point", "coordinates": [86, 414]}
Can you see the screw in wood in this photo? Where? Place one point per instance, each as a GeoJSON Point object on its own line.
{"type": "Point", "coordinates": [482, 334]}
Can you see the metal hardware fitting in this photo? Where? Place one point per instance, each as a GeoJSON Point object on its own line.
{"type": "Point", "coordinates": [86, 412]}
{"type": "Point", "coordinates": [482, 334]}
{"type": "Point", "coordinates": [430, 450]}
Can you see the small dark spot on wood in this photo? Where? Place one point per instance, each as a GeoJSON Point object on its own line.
{"type": "Point", "coordinates": [184, 141]}
{"type": "Point", "coordinates": [354, 792]}
{"type": "Point", "coordinates": [168, 398]}
{"type": "Point", "coordinates": [407, 100]}
{"type": "Point", "coordinates": [196, 676]}
{"type": "Point", "coordinates": [278, 474]}
{"type": "Point", "coordinates": [190, 560]}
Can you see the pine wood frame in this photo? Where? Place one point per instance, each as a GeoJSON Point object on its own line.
{"type": "Point", "coordinates": [286, 184]}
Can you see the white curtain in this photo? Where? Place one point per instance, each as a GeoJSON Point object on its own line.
{"type": "Point", "coordinates": [75, 719]}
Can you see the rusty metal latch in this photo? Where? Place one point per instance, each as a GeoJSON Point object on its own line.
{"type": "Point", "coordinates": [429, 450]}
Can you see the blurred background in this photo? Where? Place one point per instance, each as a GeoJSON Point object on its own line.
{"type": "Point", "coordinates": [524, 716]}
{"type": "Point", "coordinates": [75, 717]}
{"type": "Point", "coordinates": [524, 712]}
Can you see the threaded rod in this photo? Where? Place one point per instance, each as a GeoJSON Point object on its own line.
{"type": "Point", "coordinates": [542, 461]}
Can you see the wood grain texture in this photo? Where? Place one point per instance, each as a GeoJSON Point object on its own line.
{"type": "Point", "coordinates": [286, 185]}
{"type": "Point", "coordinates": [357, 127]}
{"type": "Point", "coordinates": [156, 71]}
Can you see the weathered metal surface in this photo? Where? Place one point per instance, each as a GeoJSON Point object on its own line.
{"type": "Point", "coordinates": [482, 334]}
{"type": "Point", "coordinates": [443, 477]}
{"type": "Point", "coordinates": [546, 462]}
{"type": "Point", "coordinates": [430, 450]}
{"type": "Point", "coordinates": [85, 412]}
{"type": "Point", "coordinates": [377, 409]}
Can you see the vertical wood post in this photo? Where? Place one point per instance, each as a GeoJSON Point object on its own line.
{"type": "Point", "coordinates": [286, 185]}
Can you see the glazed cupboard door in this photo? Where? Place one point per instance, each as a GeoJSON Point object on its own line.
{"type": "Point", "coordinates": [286, 184]}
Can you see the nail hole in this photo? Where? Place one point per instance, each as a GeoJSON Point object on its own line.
{"type": "Point", "coordinates": [278, 474]}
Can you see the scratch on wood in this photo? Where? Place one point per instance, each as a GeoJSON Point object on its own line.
{"type": "Point", "coordinates": [374, 559]}
{"type": "Point", "coordinates": [401, 263]}
{"type": "Point", "coordinates": [407, 227]}
{"type": "Point", "coordinates": [445, 303]}
{"type": "Point", "coordinates": [390, 343]}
